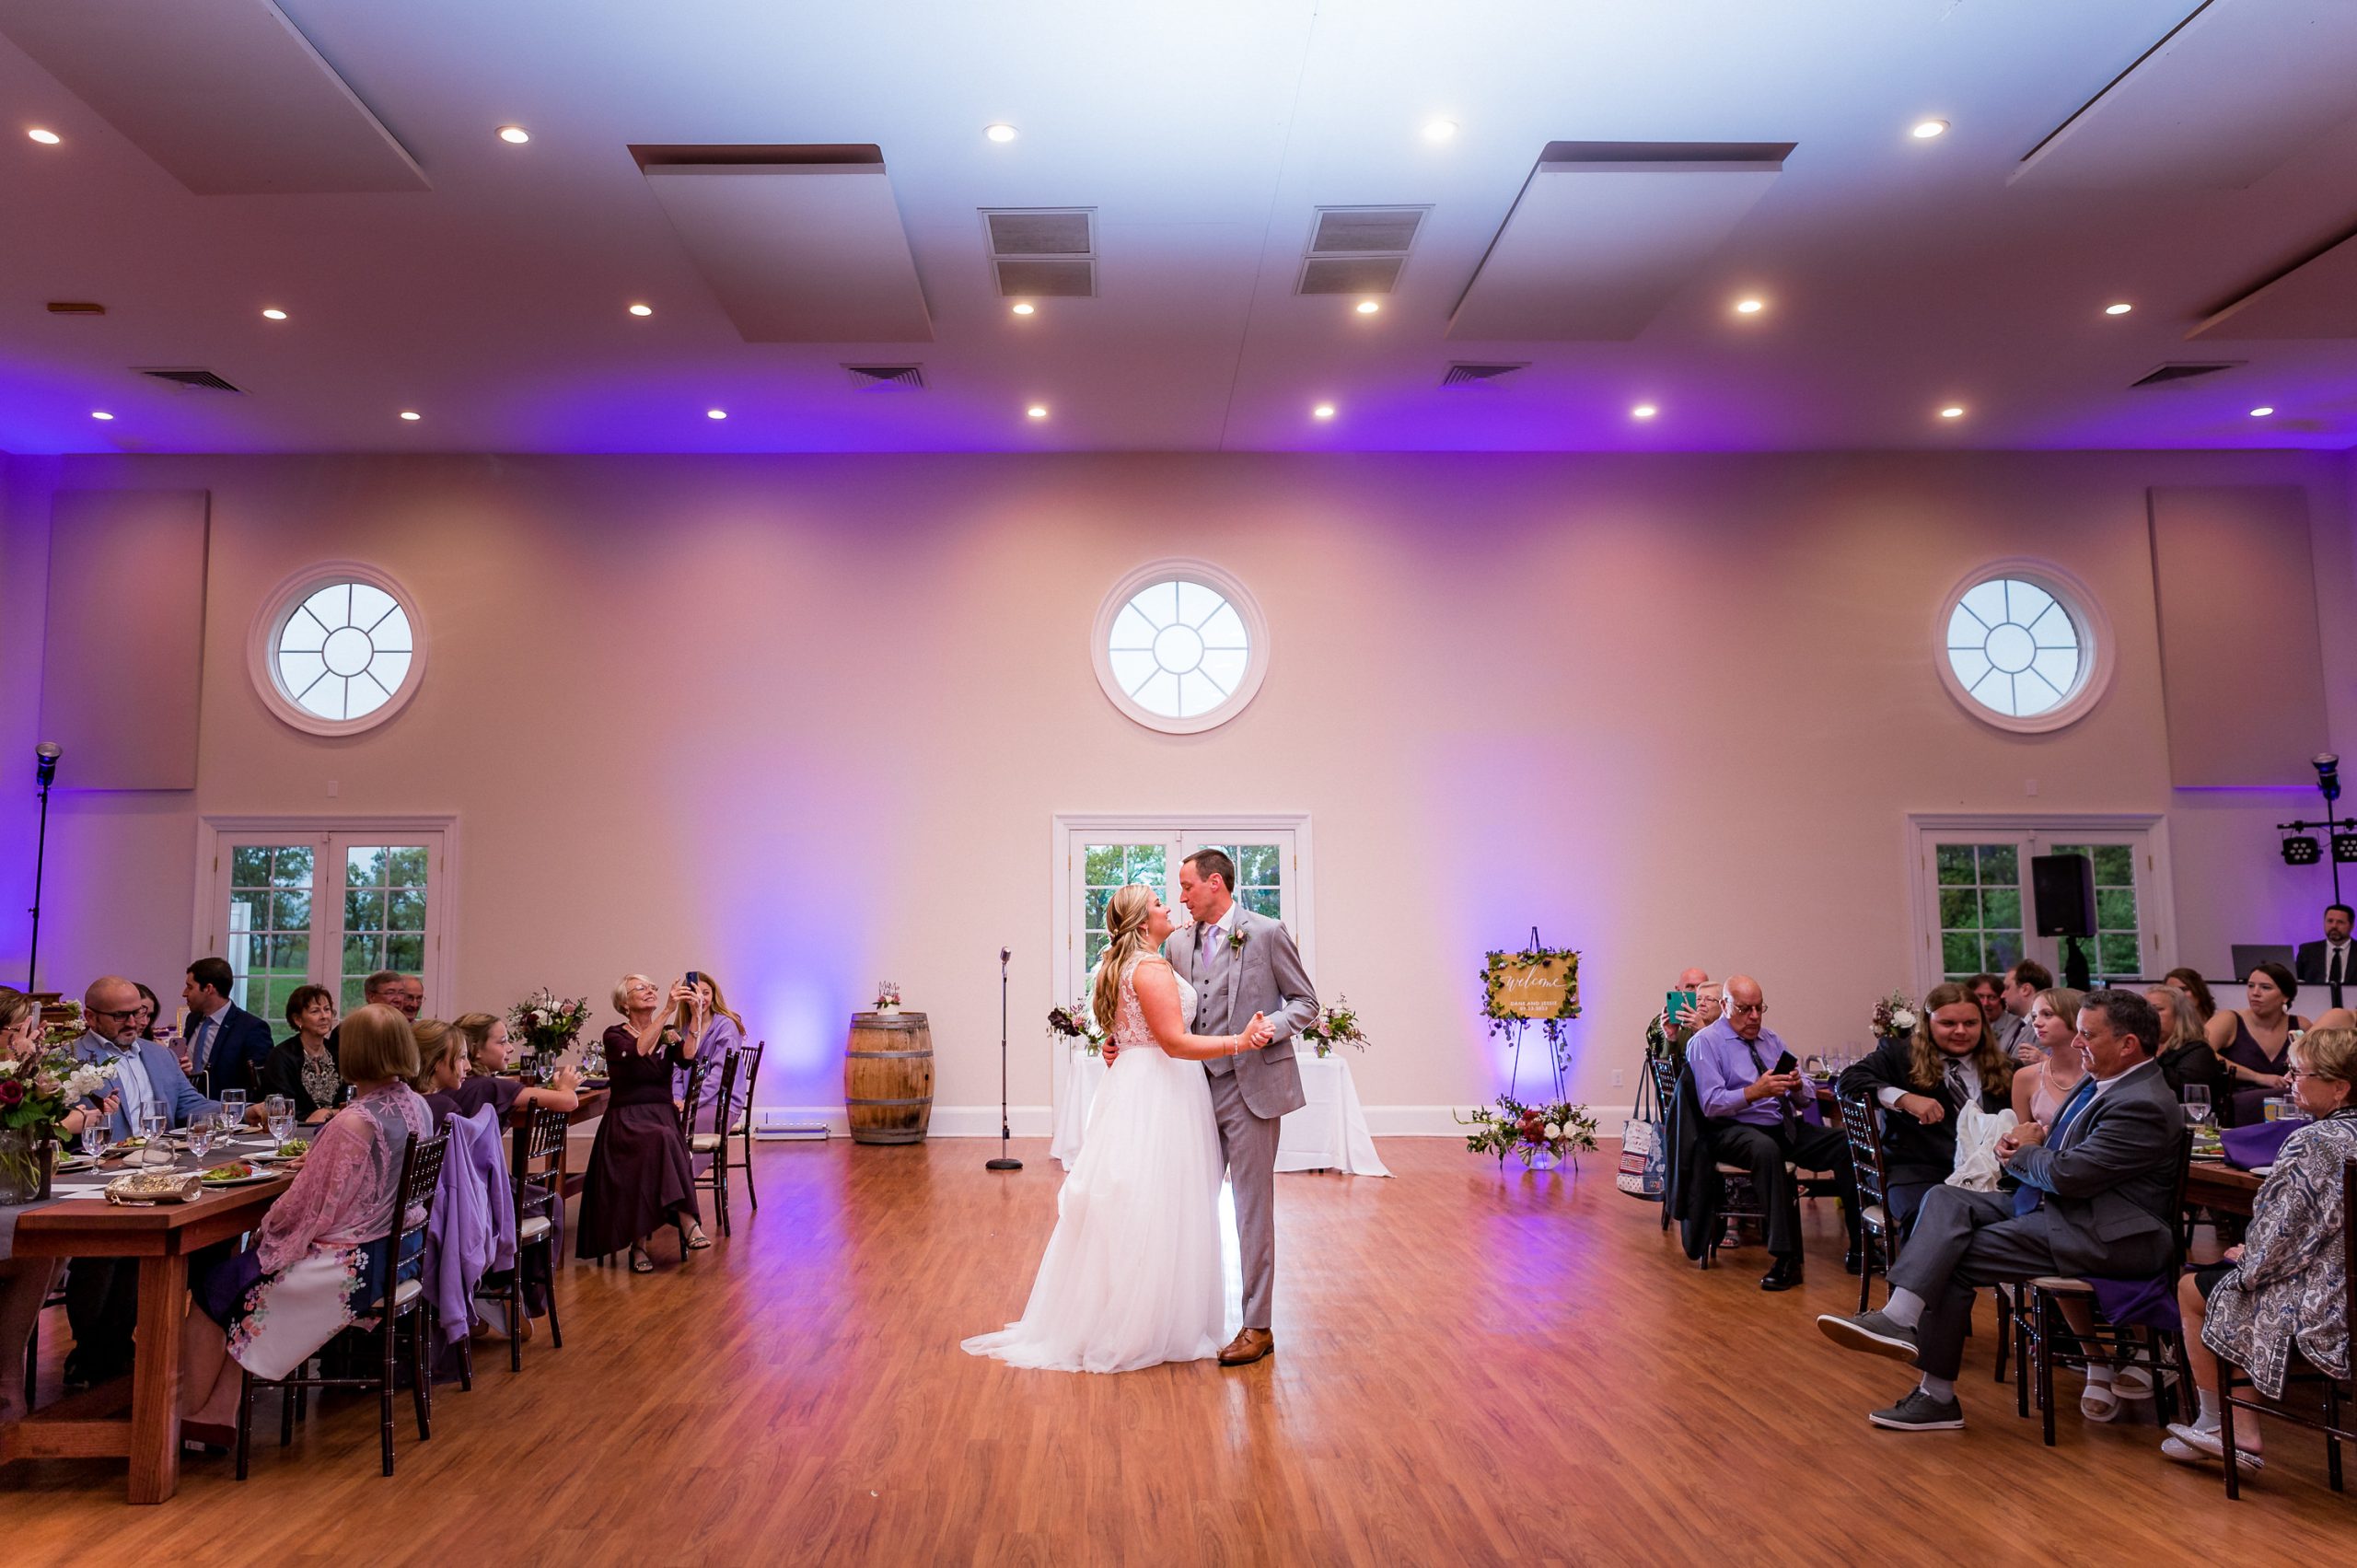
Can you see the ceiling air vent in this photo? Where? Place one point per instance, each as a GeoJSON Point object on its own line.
{"type": "Point", "coordinates": [1042, 252]}
{"type": "Point", "coordinates": [893, 377]}
{"type": "Point", "coordinates": [1463, 374]}
{"type": "Point", "coordinates": [2184, 370]}
{"type": "Point", "coordinates": [204, 379]}
{"type": "Point", "coordinates": [1358, 250]}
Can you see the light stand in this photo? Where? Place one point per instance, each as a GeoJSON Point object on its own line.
{"type": "Point", "coordinates": [45, 758]}
{"type": "Point", "coordinates": [1005, 1161]}
{"type": "Point", "coordinates": [2304, 851]}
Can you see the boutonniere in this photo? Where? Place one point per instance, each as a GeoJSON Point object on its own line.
{"type": "Point", "coordinates": [1235, 940]}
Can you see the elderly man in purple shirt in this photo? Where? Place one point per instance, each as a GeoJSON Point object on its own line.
{"type": "Point", "coordinates": [1755, 1118]}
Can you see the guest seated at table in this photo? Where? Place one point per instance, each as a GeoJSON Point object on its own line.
{"type": "Point", "coordinates": [640, 1178]}
{"type": "Point", "coordinates": [157, 1025]}
{"type": "Point", "coordinates": [25, 1281]}
{"type": "Point", "coordinates": [2106, 1193]}
{"type": "Point", "coordinates": [488, 1047]}
{"type": "Point", "coordinates": [303, 1066]}
{"type": "Point", "coordinates": [1924, 1084]}
{"type": "Point", "coordinates": [404, 993]}
{"type": "Point", "coordinates": [322, 1256]}
{"type": "Point", "coordinates": [1667, 1038]}
{"type": "Point", "coordinates": [2250, 1042]}
{"type": "Point", "coordinates": [227, 1045]}
{"type": "Point", "coordinates": [1754, 1112]}
{"type": "Point", "coordinates": [2193, 985]}
{"type": "Point", "coordinates": [442, 1077]}
{"type": "Point", "coordinates": [2186, 1059]}
{"type": "Point", "coordinates": [2285, 1288]}
{"type": "Point", "coordinates": [2041, 1089]}
{"type": "Point", "coordinates": [718, 1034]}
{"type": "Point", "coordinates": [2016, 1037]}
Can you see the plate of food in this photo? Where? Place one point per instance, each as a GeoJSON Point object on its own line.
{"type": "Point", "coordinates": [293, 1149]}
{"type": "Point", "coordinates": [76, 1162]}
{"type": "Point", "coordinates": [236, 1173]}
{"type": "Point", "coordinates": [125, 1146]}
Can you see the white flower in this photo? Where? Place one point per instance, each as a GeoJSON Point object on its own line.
{"type": "Point", "coordinates": [1554, 1130]}
{"type": "Point", "coordinates": [1902, 1020]}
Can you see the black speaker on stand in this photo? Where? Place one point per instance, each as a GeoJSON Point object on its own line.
{"type": "Point", "coordinates": [2063, 889]}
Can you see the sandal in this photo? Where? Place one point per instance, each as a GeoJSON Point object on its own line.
{"type": "Point", "coordinates": [2099, 1403]}
{"type": "Point", "coordinates": [697, 1241]}
{"type": "Point", "coordinates": [2133, 1383]}
{"type": "Point", "coordinates": [2191, 1446]}
{"type": "Point", "coordinates": [640, 1264]}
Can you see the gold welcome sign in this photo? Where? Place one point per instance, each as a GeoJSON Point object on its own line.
{"type": "Point", "coordinates": [1542, 983]}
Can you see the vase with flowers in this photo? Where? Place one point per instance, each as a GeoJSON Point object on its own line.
{"type": "Point", "coordinates": [36, 1091]}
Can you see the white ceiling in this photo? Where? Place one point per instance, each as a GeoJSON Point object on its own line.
{"type": "Point", "coordinates": [1899, 274]}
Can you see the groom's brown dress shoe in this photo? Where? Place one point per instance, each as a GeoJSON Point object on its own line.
{"type": "Point", "coordinates": [1249, 1347]}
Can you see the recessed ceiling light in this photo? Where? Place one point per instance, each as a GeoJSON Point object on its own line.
{"type": "Point", "coordinates": [1002, 132]}
{"type": "Point", "coordinates": [1037, 411]}
{"type": "Point", "coordinates": [2122, 309]}
{"type": "Point", "coordinates": [514, 134]}
{"type": "Point", "coordinates": [642, 311]}
{"type": "Point", "coordinates": [1749, 307]}
{"type": "Point", "coordinates": [1369, 306]}
{"type": "Point", "coordinates": [1323, 410]}
{"type": "Point", "coordinates": [716, 413]}
{"type": "Point", "coordinates": [1643, 411]}
{"type": "Point", "coordinates": [100, 413]}
{"type": "Point", "coordinates": [46, 138]}
{"type": "Point", "coordinates": [2262, 411]}
{"type": "Point", "coordinates": [1439, 130]}
{"type": "Point", "coordinates": [274, 313]}
{"type": "Point", "coordinates": [1953, 410]}
{"type": "Point", "coordinates": [1927, 129]}
{"type": "Point", "coordinates": [1024, 308]}
{"type": "Point", "coordinates": [411, 415]}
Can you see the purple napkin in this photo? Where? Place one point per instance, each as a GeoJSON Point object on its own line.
{"type": "Point", "coordinates": [2257, 1143]}
{"type": "Point", "coordinates": [2140, 1304]}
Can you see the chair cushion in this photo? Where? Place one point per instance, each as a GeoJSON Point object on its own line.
{"type": "Point", "coordinates": [403, 1294]}
{"type": "Point", "coordinates": [705, 1143]}
{"type": "Point", "coordinates": [1810, 1175]}
{"type": "Point", "coordinates": [2057, 1284]}
{"type": "Point", "coordinates": [736, 1128]}
{"type": "Point", "coordinates": [532, 1228]}
{"type": "Point", "coordinates": [1874, 1215]}
{"type": "Point", "coordinates": [1726, 1169]}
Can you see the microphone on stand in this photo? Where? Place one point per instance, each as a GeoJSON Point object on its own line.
{"type": "Point", "coordinates": [1005, 1161]}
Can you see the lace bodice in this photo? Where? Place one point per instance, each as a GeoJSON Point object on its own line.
{"type": "Point", "coordinates": [1129, 1022]}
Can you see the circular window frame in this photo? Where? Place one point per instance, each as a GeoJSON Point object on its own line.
{"type": "Point", "coordinates": [279, 605]}
{"type": "Point", "coordinates": [1204, 574]}
{"type": "Point", "coordinates": [2087, 619]}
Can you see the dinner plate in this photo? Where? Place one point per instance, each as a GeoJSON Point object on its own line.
{"type": "Point", "coordinates": [76, 1162]}
{"type": "Point", "coordinates": [2263, 1171]}
{"type": "Point", "coordinates": [246, 1180]}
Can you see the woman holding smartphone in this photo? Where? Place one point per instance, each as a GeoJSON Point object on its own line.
{"type": "Point", "coordinates": [640, 1178]}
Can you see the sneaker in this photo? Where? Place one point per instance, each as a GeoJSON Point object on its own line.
{"type": "Point", "coordinates": [1921, 1412]}
{"type": "Point", "coordinates": [1873, 1333]}
{"type": "Point", "coordinates": [2192, 1445]}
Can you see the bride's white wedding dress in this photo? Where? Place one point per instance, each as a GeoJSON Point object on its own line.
{"type": "Point", "coordinates": [1133, 1274]}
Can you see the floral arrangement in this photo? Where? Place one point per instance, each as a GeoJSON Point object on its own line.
{"type": "Point", "coordinates": [1895, 1017]}
{"type": "Point", "coordinates": [1560, 1131]}
{"type": "Point", "coordinates": [888, 996]}
{"type": "Point", "coordinates": [38, 1092]}
{"type": "Point", "coordinates": [1338, 1025]}
{"type": "Point", "coordinates": [66, 1026]}
{"type": "Point", "coordinates": [545, 1024]}
{"type": "Point", "coordinates": [1076, 1020]}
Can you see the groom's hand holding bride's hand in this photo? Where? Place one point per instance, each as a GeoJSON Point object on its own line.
{"type": "Point", "coordinates": [1258, 1033]}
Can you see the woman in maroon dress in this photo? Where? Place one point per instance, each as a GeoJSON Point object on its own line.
{"type": "Point", "coordinates": [640, 1179]}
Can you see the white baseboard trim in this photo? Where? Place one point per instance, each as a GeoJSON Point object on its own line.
{"type": "Point", "coordinates": [1039, 1121]}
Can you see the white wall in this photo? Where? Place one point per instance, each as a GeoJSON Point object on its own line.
{"type": "Point", "coordinates": [804, 720]}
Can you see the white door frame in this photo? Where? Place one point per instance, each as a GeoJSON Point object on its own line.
{"type": "Point", "coordinates": [2157, 914]}
{"type": "Point", "coordinates": [442, 909]}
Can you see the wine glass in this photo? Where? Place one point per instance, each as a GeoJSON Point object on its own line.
{"type": "Point", "coordinates": [278, 1114]}
{"type": "Point", "coordinates": [94, 1135]}
{"type": "Point", "coordinates": [200, 1138]}
{"type": "Point", "coordinates": [153, 1125]}
{"type": "Point", "coordinates": [2197, 1104]}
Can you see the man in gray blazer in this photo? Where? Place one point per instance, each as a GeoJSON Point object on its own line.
{"type": "Point", "coordinates": [2096, 1199]}
{"type": "Point", "coordinates": [1241, 963]}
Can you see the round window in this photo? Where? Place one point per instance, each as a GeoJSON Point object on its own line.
{"type": "Point", "coordinates": [338, 649]}
{"type": "Point", "coordinates": [2021, 647]}
{"type": "Point", "coordinates": [1180, 647]}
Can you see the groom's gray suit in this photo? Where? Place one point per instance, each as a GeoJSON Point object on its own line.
{"type": "Point", "coordinates": [1251, 1090]}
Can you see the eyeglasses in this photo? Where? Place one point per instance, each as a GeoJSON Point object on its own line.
{"type": "Point", "coordinates": [1753, 1007]}
{"type": "Point", "coordinates": [118, 1012]}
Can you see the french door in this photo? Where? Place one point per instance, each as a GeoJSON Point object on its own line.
{"type": "Point", "coordinates": [1096, 857]}
{"type": "Point", "coordinates": [297, 903]}
{"type": "Point", "coordinates": [1976, 912]}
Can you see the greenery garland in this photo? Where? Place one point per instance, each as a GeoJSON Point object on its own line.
{"type": "Point", "coordinates": [1510, 1023]}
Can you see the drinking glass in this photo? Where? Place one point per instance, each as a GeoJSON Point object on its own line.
{"type": "Point", "coordinates": [2197, 1104]}
{"type": "Point", "coordinates": [94, 1136]}
{"type": "Point", "coordinates": [281, 1123]}
{"type": "Point", "coordinates": [153, 1125]}
{"type": "Point", "coordinates": [233, 1104]}
{"type": "Point", "coordinates": [200, 1138]}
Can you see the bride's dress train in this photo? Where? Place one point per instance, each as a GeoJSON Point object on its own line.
{"type": "Point", "coordinates": [1133, 1276]}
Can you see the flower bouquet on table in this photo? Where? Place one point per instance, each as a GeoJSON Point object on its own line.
{"type": "Point", "coordinates": [1077, 1020]}
{"type": "Point", "coordinates": [1338, 1025]}
{"type": "Point", "coordinates": [35, 1094]}
{"type": "Point", "coordinates": [1541, 1134]}
{"type": "Point", "coordinates": [63, 1025]}
{"type": "Point", "coordinates": [1895, 1017]}
{"type": "Point", "coordinates": [546, 1026]}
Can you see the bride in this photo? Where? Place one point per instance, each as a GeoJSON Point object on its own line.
{"type": "Point", "coordinates": [1133, 1274]}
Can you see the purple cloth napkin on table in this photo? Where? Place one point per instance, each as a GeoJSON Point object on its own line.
{"type": "Point", "coordinates": [2257, 1143]}
{"type": "Point", "coordinates": [2140, 1304]}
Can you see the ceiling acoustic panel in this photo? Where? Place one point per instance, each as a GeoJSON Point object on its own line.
{"type": "Point", "coordinates": [800, 245]}
{"type": "Point", "coordinates": [2317, 299]}
{"type": "Point", "coordinates": [2230, 93]}
{"type": "Point", "coordinates": [225, 94]}
{"type": "Point", "coordinates": [1606, 233]}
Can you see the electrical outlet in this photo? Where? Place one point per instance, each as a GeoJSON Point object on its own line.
{"type": "Point", "coordinates": [1616, 1077]}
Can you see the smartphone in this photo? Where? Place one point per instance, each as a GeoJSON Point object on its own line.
{"type": "Point", "coordinates": [1785, 1063]}
{"type": "Point", "coordinates": [1678, 1001]}
{"type": "Point", "coordinates": [694, 976]}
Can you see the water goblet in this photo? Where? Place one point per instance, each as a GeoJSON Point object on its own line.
{"type": "Point", "coordinates": [200, 1138]}
{"type": "Point", "coordinates": [94, 1135]}
{"type": "Point", "coordinates": [153, 1126]}
{"type": "Point", "coordinates": [2197, 1104]}
{"type": "Point", "coordinates": [233, 1104]}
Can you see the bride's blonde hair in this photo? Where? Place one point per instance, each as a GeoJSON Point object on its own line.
{"type": "Point", "coordinates": [1125, 917]}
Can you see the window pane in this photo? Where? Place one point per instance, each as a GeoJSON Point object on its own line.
{"type": "Point", "coordinates": [1955, 865]}
{"type": "Point", "coordinates": [352, 994]}
{"type": "Point", "coordinates": [1145, 863]}
{"type": "Point", "coordinates": [364, 868]}
{"type": "Point", "coordinates": [406, 953]}
{"type": "Point", "coordinates": [1093, 911]}
{"type": "Point", "coordinates": [1959, 909]}
{"type": "Point", "coordinates": [249, 866]}
{"type": "Point", "coordinates": [2000, 864]}
{"type": "Point", "coordinates": [2002, 951]}
{"type": "Point", "coordinates": [291, 867]}
{"type": "Point", "coordinates": [2115, 865]}
{"type": "Point", "coordinates": [2001, 908]}
{"type": "Point", "coordinates": [290, 912]}
{"type": "Point", "coordinates": [2115, 909]}
{"type": "Point", "coordinates": [1093, 949]}
{"type": "Point", "coordinates": [1178, 648]}
{"type": "Point", "coordinates": [290, 954]}
{"type": "Point", "coordinates": [360, 954]}
{"type": "Point", "coordinates": [1102, 866]}
{"type": "Point", "coordinates": [1262, 900]}
{"type": "Point", "coordinates": [363, 910]}
{"type": "Point", "coordinates": [1959, 953]}
{"type": "Point", "coordinates": [2115, 953]}
{"type": "Point", "coordinates": [1256, 866]}
{"type": "Point", "coordinates": [406, 867]}
{"type": "Point", "coordinates": [405, 910]}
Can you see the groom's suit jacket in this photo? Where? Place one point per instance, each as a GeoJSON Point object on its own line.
{"type": "Point", "coordinates": [1263, 976]}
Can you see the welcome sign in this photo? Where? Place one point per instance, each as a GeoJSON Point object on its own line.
{"type": "Point", "coordinates": [1539, 983]}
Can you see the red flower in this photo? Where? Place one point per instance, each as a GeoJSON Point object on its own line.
{"type": "Point", "coordinates": [11, 1092]}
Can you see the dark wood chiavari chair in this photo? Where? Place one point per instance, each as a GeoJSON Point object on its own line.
{"type": "Point", "coordinates": [743, 1131]}
{"type": "Point", "coordinates": [2038, 1325]}
{"type": "Point", "coordinates": [2333, 1424]}
{"type": "Point", "coordinates": [715, 1143]}
{"type": "Point", "coordinates": [404, 1300]}
{"type": "Point", "coordinates": [1878, 1230]}
{"type": "Point", "coordinates": [1665, 1073]}
{"type": "Point", "coordinates": [537, 1165]}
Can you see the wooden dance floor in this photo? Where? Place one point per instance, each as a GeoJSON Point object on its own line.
{"type": "Point", "coordinates": [1472, 1368]}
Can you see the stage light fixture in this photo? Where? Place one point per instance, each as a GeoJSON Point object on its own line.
{"type": "Point", "coordinates": [2344, 849]}
{"type": "Point", "coordinates": [2300, 849]}
{"type": "Point", "coordinates": [2327, 766]}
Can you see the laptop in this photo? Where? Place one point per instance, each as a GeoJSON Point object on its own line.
{"type": "Point", "coordinates": [2249, 956]}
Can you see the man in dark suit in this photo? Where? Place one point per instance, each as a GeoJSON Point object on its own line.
{"type": "Point", "coordinates": [2106, 1179]}
{"type": "Point", "coordinates": [2331, 963]}
{"type": "Point", "coordinates": [227, 1045]}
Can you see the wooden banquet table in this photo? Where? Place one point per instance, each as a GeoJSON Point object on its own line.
{"type": "Point", "coordinates": [91, 1424]}
{"type": "Point", "coordinates": [2211, 1184]}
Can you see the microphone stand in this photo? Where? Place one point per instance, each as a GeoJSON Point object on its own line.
{"type": "Point", "coordinates": [1005, 1161]}
{"type": "Point", "coordinates": [45, 772]}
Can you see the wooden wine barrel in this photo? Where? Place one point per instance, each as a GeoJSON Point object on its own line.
{"type": "Point", "coordinates": [887, 1077]}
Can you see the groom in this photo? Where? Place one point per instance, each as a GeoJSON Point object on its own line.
{"type": "Point", "coordinates": [1241, 963]}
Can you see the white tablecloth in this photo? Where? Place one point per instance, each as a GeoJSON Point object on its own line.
{"type": "Point", "coordinates": [1327, 1133]}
